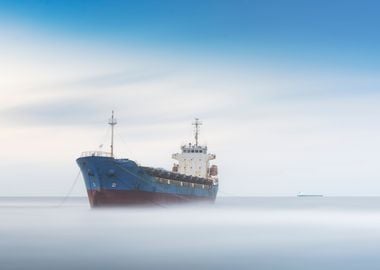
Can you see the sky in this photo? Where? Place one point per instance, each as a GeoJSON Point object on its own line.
{"type": "Point", "coordinates": [288, 91]}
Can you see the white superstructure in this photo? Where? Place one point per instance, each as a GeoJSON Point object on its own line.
{"type": "Point", "coordinates": [194, 159]}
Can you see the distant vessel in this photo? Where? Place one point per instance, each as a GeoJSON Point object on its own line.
{"type": "Point", "coordinates": [112, 181]}
{"type": "Point", "coordinates": [309, 195]}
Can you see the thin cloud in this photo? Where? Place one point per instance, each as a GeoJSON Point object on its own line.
{"type": "Point", "coordinates": [53, 112]}
{"type": "Point", "coordinates": [100, 82]}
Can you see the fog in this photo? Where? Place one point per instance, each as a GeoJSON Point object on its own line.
{"type": "Point", "coordinates": [242, 233]}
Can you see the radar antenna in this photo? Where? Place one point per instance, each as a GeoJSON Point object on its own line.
{"type": "Point", "coordinates": [197, 124]}
{"type": "Point", "coordinates": [112, 122]}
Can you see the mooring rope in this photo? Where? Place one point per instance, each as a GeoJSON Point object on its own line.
{"type": "Point", "coordinates": [70, 190]}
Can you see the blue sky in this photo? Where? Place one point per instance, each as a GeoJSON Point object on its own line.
{"type": "Point", "coordinates": [342, 31]}
{"type": "Point", "coordinates": [288, 90]}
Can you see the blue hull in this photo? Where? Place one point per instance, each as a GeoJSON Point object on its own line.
{"type": "Point", "coordinates": [112, 181]}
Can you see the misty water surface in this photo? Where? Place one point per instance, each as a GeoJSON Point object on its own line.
{"type": "Point", "coordinates": [235, 233]}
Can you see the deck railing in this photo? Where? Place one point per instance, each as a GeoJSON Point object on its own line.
{"type": "Point", "coordinates": [96, 154]}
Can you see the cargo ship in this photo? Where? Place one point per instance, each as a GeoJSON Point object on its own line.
{"type": "Point", "coordinates": [112, 181]}
{"type": "Point", "coordinates": [301, 195]}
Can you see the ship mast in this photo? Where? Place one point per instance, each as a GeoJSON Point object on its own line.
{"type": "Point", "coordinates": [112, 122]}
{"type": "Point", "coordinates": [197, 124]}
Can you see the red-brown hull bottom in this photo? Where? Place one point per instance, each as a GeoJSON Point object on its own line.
{"type": "Point", "coordinates": [136, 197]}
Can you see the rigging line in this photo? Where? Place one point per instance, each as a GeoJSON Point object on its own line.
{"type": "Point", "coordinates": [103, 139]}
{"type": "Point", "coordinates": [121, 139]}
{"type": "Point", "coordinates": [70, 190]}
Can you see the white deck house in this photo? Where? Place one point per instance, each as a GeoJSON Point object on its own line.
{"type": "Point", "coordinates": [194, 159]}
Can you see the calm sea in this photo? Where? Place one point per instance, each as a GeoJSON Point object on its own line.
{"type": "Point", "coordinates": [234, 233]}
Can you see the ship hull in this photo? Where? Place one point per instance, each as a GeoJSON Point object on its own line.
{"type": "Point", "coordinates": [119, 182]}
{"type": "Point", "coordinates": [137, 197]}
